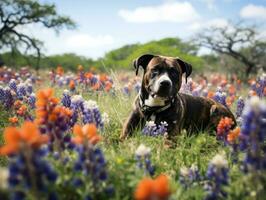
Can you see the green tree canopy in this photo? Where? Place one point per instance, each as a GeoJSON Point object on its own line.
{"type": "Point", "coordinates": [15, 14]}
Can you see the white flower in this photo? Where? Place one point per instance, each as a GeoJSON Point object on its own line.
{"type": "Point", "coordinates": [142, 150]}
{"type": "Point", "coordinates": [3, 178]}
{"type": "Point", "coordinates": [66, 92]}
{"type": "Point", "coordinates": [90, 104]}
{"type": "Point", "coordinates": [194, 167]}
{"type": "Point", "coordinates": [255, 104]}
{"type": "Point", "coordinates": [219, 160]}
{"type": "Point", "coordinates": [164, 123]}
{"type": "Point", "coordinates": [105, 118]}
{"type": "Point", "coordinates": [184, 171]}
{"type": "Point", "coordinates": [150, 123]}
{"type": "Point", "coordinates": [76, 99]}
{"type": "Point", "coordinates": [21, 85]}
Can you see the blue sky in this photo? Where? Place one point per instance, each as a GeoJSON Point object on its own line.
{"type": "Point", "coordinates": [107, 24]}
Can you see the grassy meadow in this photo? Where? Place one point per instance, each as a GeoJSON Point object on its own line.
{"type": "Point", "coordinates": [123, 175]}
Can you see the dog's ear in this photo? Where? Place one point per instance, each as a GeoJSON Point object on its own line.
{"type": "Point", "coordinates": [142, 61]}
{"type": "Point", "coordinates": [186, 67]}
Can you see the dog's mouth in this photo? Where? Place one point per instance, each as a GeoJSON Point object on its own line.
{"type": "Point", "coordinates": [162, 92]}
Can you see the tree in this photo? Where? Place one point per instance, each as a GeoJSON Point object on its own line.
{"type": "Point", "coordinates": [238, 41]}
{"type": "Point", "coordinates": [15, 14]}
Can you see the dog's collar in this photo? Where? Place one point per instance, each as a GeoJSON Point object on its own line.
{"type": "Point", "coordinates": [154, 109]}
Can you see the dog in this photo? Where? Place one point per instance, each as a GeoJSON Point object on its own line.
{"type": "Point", "coordinates": [159, 99]}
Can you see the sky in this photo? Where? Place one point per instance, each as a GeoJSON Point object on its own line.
{"type": "Point", "coordinates": [103, 25]}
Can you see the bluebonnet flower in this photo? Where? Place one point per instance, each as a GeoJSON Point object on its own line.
{"type": "Point", "coordinates": [189, 176]}
{"type": "Point", "coordinates": [240, 107]}
{"type": "Point", "coordinates": [29, 172]}
{"type": "Point", "coordinates": [217, 175]}
{"type": "Point", "coordinates": [2, 94]}
{"type": "Point", "coordinates": [126, 90]}
{"type": "Point", "coordinates": [259, 85]}
{"type": "Point", "coordinates": [197, 91]}
{"type": "Point", "coordinates": [143, 158]}
{"type": "Point", "coordinates": [21, 90]}
{"type": "Point", "coordinates": [90, 161]}
{"type": "Point", "coordinates": [13, 85]}
{"type": "Point", "coordinates": [252, 136]}
{"type": "Point", "coordinates": [220, 96]}
{"type": "Point", "coordinates": [32, 100]}
{"type": "Point", "coordinates": [151, 129]}
{"type": "Point", "coordinates": [76, 106]}
{"type": "Point", "coordinates": [66, 99]}
{"type": "Point", "coordinates": [91, 113]}
{"type": "Point", "coordinates": [6, 97]}
{"type": "Point", "coordinates": [29, 88]}
{"type": "Point", "coordinates": [137, 86]}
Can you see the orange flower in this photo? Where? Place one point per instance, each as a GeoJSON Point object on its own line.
{"type": "Point", "coordinates": [96, 86]}
{"type": "Point", "coordinates": [108, 86]}
{"type": "Point", "coordinates": [149, 189]}
{"type": "Point", "coordinates": [45, 105]}
{"type": "Point", "coordinates": [89, 75]}
{"type": "Point", "coordinates": [60, 70]}
{"type": "Point", "coordinates": [17, 104]}
{"type": "Point", "coordinates": [80, 68]}
{"type": "Point", "coordinates": [16, 138]}
{"type": "Point", "coordinates": [22, 110]}
{"type": "Point", "coordinates": [233, 135]}
{"type": "Point", "coordinates": [224, 125]}
{"type": "Point", "coordinates": [210, 94]}
{"type": "Point", "coordinates": [87, 132]}
{"type": "Point", "coordinates": [72, 85]}
{"type": "Point", "coordinates": [13, 120]}
{"type": "Point", "coordinates": [103, 77]}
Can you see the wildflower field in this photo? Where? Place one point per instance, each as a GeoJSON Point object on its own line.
{"type": "Point", "coordinates": [59, 139]}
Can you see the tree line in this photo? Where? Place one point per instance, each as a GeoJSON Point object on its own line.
{"type": "Point", "coordinates": [237, 46]}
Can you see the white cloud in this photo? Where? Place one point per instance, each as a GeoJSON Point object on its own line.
{"type": "Point", "coordinates": [217, 22]}
{"type": "Point", "coordinates": [178, 12]}
{"type": "Point", "coordinates": [253, 11]}
{"type": "Point", "coordinates": [210, 4]}
{"type": "Point", "coordinates": [87, 41]}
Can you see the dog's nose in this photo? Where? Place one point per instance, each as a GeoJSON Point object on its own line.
{"type": "Point", "coordinates": [165, 84]}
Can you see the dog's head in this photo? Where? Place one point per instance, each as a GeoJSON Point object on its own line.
{"type": "Point", "coordinates": [162, 75]}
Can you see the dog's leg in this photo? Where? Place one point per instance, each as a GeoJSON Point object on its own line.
{"type": "Point", "coordinates": [132, 123]}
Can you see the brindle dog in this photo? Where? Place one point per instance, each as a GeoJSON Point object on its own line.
{"type": "Point", "coordinates": [159, 99]}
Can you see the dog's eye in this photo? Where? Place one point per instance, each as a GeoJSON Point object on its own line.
{"type": "Point", "coordinates": [174, 72]}
{"type": "Point", "coordinates": [154, 73]}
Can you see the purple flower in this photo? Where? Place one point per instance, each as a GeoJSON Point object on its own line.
{"type": "Point", "coordinates": [66, 99]}
{"type": "Point", "coordinates": [32, 100]}
{"type": "Point", "coordinates": [253, 135]}
{"type": "Point", "coordinates": [92, 164]}
{"type": "Point", "coordinates": [217, 176]}
{"type": "Point", "coordinates": [143, 158]}
{"type": "Point", "coordinates": [188, 176]}
{"type": "Point", "coordinates": [13, 85]}
{"type": "Point", "coordinates": [220, 97]}
{"type": "Point", "coordinates": [29, 171]}
{"type": "Point", "coordinates": [240, 107]}
{"type": "Point", "coordinates": [151, 129]}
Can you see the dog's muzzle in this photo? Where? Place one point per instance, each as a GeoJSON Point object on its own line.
{"type": "Point", "coordinates": [163, 86]}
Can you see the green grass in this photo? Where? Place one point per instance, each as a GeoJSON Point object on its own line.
{"type": "Point", "coordinates": [123, 173]}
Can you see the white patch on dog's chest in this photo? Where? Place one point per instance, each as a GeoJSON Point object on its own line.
{"type": "Point", "coordinates": [157, 101]}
